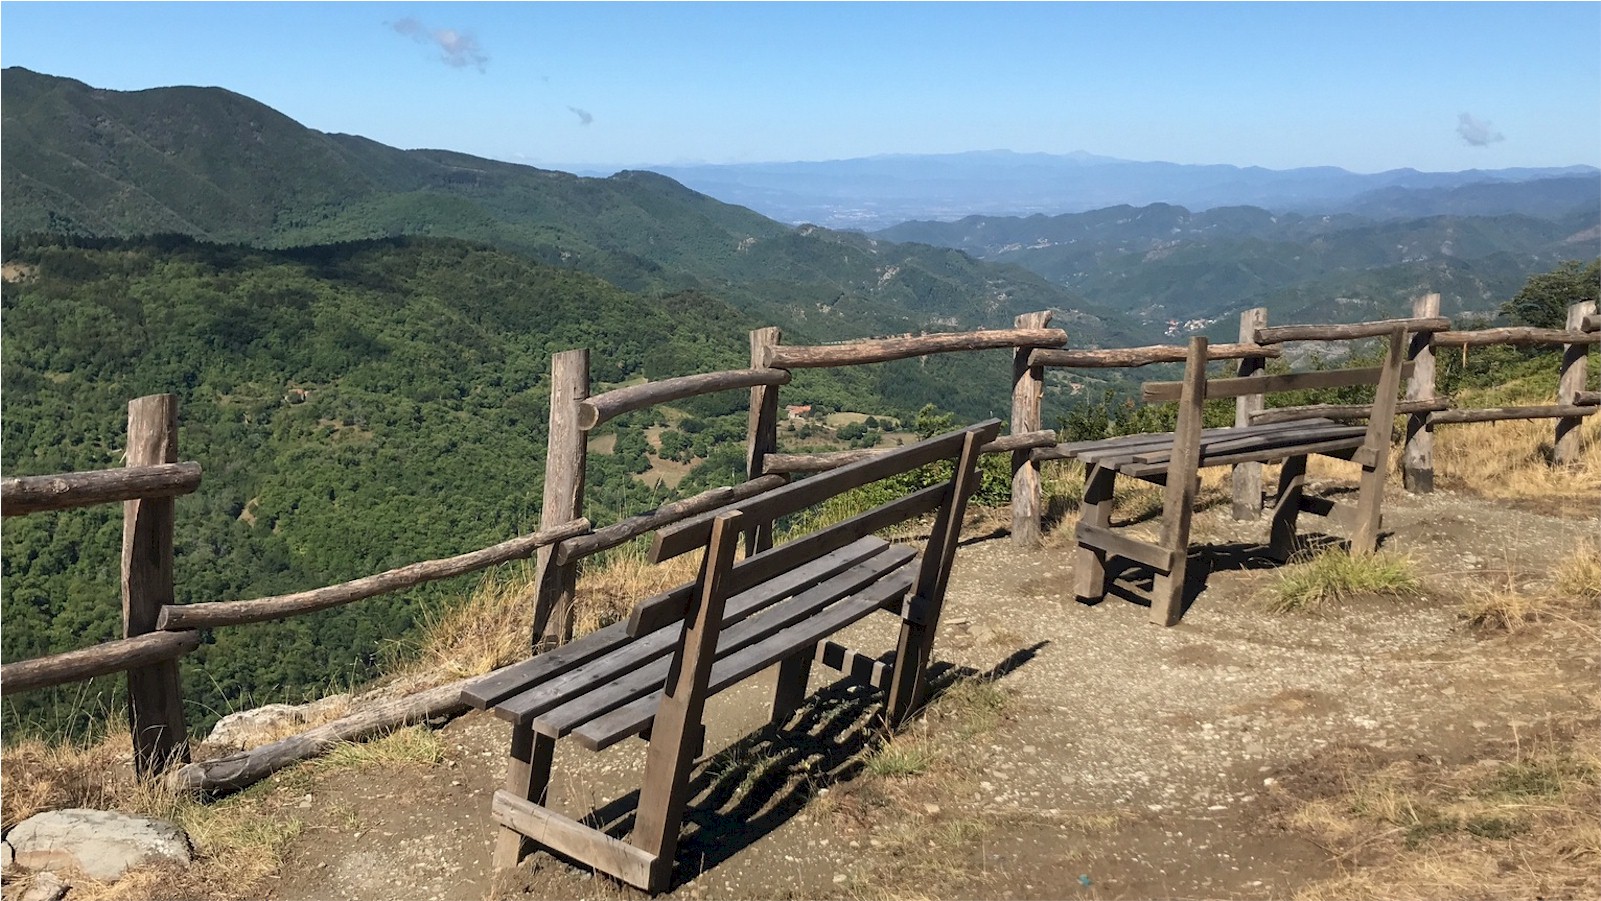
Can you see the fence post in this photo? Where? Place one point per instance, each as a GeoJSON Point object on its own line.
{"type": "Point", "coordinates": [564, 497]}
{"type": "Point", "coordinates": [1417, 459]}
{"type": "Point", "coordinates": [155, 699]}
{"type": "Point", "coordinates": [1566, 452]}
{"type": "Point", "coordinates": [1028, 387]}
{"type": "Point", "coordinates": [762, 432]}
{"type": "Point", "coordinates": [1246, 479]}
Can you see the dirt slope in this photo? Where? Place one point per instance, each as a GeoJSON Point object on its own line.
{"type": "Point", "coordinates": [1132, 761]}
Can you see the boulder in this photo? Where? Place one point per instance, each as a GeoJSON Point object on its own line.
{"type": "Point", "coordinates": [249, 728]}
{"type": "Point", "coordinates": [102, 844]}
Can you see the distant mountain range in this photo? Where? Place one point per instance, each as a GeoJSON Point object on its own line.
{"type": "Point", "coordinates": [875, 192]}
{"type": "Point", "coordinates": [214, 164]}
{"type": "Point", "coordinates": [1168, 265]}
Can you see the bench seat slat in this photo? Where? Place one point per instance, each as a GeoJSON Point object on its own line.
{"type": "Point", "coordinates": [1328, 432]}
{"type": "Point", "coordinates": [1339, 447]}
{"type": "Point", "coordinates": [511, 680]}
{"type": "Point", "coordinates": [643, 677]}
{"type": "Point", "coordinates": [605, 731]}
{"type": "Point", "coordinates": [1095, 451]}
{"type": "Point", "coordinates": [551, 692]}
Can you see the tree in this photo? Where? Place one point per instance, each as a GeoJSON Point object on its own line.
{"type": "Point", "coordinates": [1544, 300]}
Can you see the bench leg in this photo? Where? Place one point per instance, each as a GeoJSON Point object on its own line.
{"type": "Point", "coordinates": [1089, 563]}
{"type": "Point", "coordinates": [1281, 536]}
{"type": "Point", "coordinates": [790, 692]}
{"type": "Point", "coordinates": [527, 776]}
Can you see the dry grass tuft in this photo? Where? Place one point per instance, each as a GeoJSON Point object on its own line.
{"type": "Point", "coordinates": [1512, 459]}
{"type": "Point", "coordinates": [1519, 824]}
{"type": "Point", "coordinates": [414, 746]}
{"type": "Point", "coordinates": [238, 842]}
{"type": "Point", "coordinates": [1578, 574]}
{"type": "Point", "coordinates": [486, 630]}
{"type": "Point", "coordinates": [1333, 575]}
{"type": "Point", "coordinates": [610, 584]}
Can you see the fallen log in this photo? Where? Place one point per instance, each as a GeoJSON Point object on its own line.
{"type": "Point", "coordinates": [236, 771]}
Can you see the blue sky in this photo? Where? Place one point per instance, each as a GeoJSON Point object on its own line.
{"type": "Point", "coordinates": [1366, 86]}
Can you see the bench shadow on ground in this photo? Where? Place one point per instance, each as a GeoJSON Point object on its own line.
{"type": "Point", "coordinates": [762, 781]}
{"type": "Point", "coordinates": [1129, 581]}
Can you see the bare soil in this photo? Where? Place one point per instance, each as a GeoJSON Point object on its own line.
{"type": "Point", "coordinates": [1131, 761]}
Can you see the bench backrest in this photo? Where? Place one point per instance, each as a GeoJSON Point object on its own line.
{"type": "Point", "coordinates": [947, 498]}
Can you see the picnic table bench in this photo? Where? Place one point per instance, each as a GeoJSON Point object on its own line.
{"type": "Point", "coordinates": [1174, 460]}
{"type": "Point", "coordinates": [650, 676]}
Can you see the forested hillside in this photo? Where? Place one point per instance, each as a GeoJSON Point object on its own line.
{"type": "Point", "coordinates": [213, 164]}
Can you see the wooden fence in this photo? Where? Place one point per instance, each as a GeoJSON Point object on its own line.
{"type": "Point", "coordinates": [156, 632]}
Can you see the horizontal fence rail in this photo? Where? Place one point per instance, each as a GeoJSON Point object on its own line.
{"type": "Point", "coordinates": [602, 407]}
{"type": "Point", "coordinates": [1518, 336]}
{"type": "Point", "coordinates": [883, 350]}
{"type": "Point", "coordinates": [794, 463]}
{"type": "Point", "coordinates": [1345, 332]}
{"type": "Point", "coordinates": [100, 660]}
{"type": "Point", "coordinates": [36, 494]}
{"type": "Point", "coordinates": [211, 614]}
{"type": "Point", "coordinates": [1122, 357]}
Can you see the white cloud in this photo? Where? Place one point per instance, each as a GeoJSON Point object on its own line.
{"type": "Point", "coordinates": [457, 49]}
{"type": "Point", "coordinates": [1477, 132]}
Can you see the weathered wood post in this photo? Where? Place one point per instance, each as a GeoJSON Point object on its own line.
{"type": "Point", "coordinates": [1246, 479]}
{"type": "Point", "coordinates": [1417, 459]}
{"type": "Point", "coordinates": [762, 433]}
{"type": "Point", "coordinates": [1028, 387]}
{"type": "Point", "coordinates": [1566, 451]}
{"type": "Point", "coordinates": [155, 701]}
{"type": "Point", "coordinates": [565, 457]}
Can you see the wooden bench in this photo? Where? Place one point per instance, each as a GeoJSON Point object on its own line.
{"type": "Point", "coordinates": [1174, 459]}
{"type": "Point", "coordinates": [651, 675]}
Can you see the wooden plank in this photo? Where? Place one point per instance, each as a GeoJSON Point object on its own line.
{"type": "Point", "coordinates": [872, 672]}
{"type": "Point", "coordinates": [1183, 483]}
{"type": "Point", "coordinates": [610, 686]}
{"type": "Point", "coordinates": [1344, 412]}
{"type": "Point", "coordinates": [1417, 457]}
{"type": "Point", "coordinates": [761, 431]}
{"type": "Point", "coordinates": [885, 349]}
{"type": "Point", "coordinates": [1028, 389]}
{"type": "Point", "coordinates": [1122, 453]}
{"type": "Point", "coordinates": [1245, 482]}
{"type": "Point", "coordinates": [532, 698]}
{"type": "Point", "coordinates": [1375, 450]}
{"type": "Point", "coordinates": [605, 731]}
{"type": "Point", "coordinates": [1224, 445]}
{"type": "Point", "coordinates": [35, 494]}
{"type": "Point", "coordinates": [1281, 531]}
{"type": "Point", "coordinates": [685, 536]}
{"type": "Point", "coordinates": [1128, 357]}
{"type": "Point", "coordinates": [155, 698]}
{"type": "Point", "coordinates": [1095, 510]}
{"type": "Point", "coordinates": [1157, 392]}
{"type": "Point", "coordinates": [920, 620]}
{"type": "Point", "coordinates": [491, 689]}
{"type": "Point", "coordinates": [1345, 332]}
{"type": "Point", "coordinates": [581, 546]}
{"type": "Point", "coordinates": [1565, 448]}
{"type": "Point", "coordinates": [611, 856]}
{"type": "Point", "coordinates": [1335, 447]}
{"type": "Point", "coordinates": [604, 407]}
{"type": "Point", "coordinates": [639, 666]}
{"type": "Point", "coordinates": [656, 612]}
{"type": "Point", "coordinates": [676, 734]}
{"type": "Point", "coordinates": [211, 614]}
{"type": "Point", "coordinates": [1521, 336]}
{"type": "Point", "coordinates": [1116, 544]}
{"type": "Point", "coordinates": [99, 660]}
{"type": "Point", "coordinates": [1493, 414]}
{"type": "Point", "coordinates": [566, 451]}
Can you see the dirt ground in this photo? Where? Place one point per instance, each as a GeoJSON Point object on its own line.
{"type": "Point", "coordinates": [1131, 761]}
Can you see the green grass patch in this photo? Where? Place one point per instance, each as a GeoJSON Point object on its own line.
{"type": "Point", "coordinates": [1333, 576]}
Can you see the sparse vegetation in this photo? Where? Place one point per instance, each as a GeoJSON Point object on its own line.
{"type": "Point", "coordinates": [1333, 575]}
